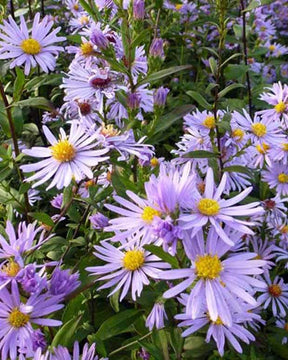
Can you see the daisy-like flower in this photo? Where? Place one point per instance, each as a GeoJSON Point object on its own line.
{"type": "Point", "coordinates": [220, 285]}
{"type": "Point", "coordinates": [62, 353]}
{"type": "Point", "coordinates": [277, 177]}
{"type": "Point", "coordinates": [218, 330]}
{"type": "Point", "coordinates": [90, 83]}
{"type": "Point", "coordinates": [70, 156]}
{"type": "Point", "coordinates": [278, 97]}
{"type": "Point", "coordinates": [209, 207]}
{"type": "Point", "coordinates": [276, 294]}
{"type": "Point", "coordinates": [80, 21]}
{"type": "Point", "coordinates": [16, 319]}
{"type": "Point", "coordinates": [265, 251]}
{"type": "Point", "coordinates": [258, 130]}
{"type": "Point", "coordinates": [156, 317]}
{"type": "Point", "coordinates": [30, 48]}
{"type": "Point", "coordinates": [280, 152]}
{"type": "Point", "coordinates": [124, 143]}
{"type": "Point", "coordinates": [203, 121]}
{"type": "Point", "coordinates": [275, 209]}
{"type": "Point", "coordinates": [126, 268]}
{"type": "Point", "coordinates": [17, 244]}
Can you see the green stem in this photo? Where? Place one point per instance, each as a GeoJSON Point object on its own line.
{"type": "Point", "coordinates": [130, 344]}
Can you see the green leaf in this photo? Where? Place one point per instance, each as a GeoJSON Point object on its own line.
{"type": "Point", "coordinates": [163, 255]}
{"type": "Point", "coordinates": [229, 88]}
{"type": "Point", "coordinates": [230, 58]}
{"type": "Point", "coordinates": [169, 119]}
{"type": "Point", "coordinates": [213, 65]}
{"type": "Point", "coordinates": [18, 84]}
{"type": "Point", "coordinates": [24, 188]}
{"type": "Point", "coordinates": [42, 217]}
{"type": "Point", "coordinates": [199, 99]}
{"type": "Point", "coordinates": [200, 154]}
{"type": "Point", "coordinates": [238, 169]}
{"type": "Point", "coordinates": [118, 324]}
{"type": "Point", "coordinates": [114, 301]}
{"type": "Point", "coordinates": [67, 196]}
{"type": "Point", "coordinates": [163, 73]}
{"type": "Point", "coordinates": [38, 102]}
{"type": "Point", "coordinates": [65, 336]}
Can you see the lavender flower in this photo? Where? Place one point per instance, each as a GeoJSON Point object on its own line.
{"type": "Point", "coordinates": [98, 221]}
{"type": "Point", "coordinates": [62, 282]}
{"type": "Point", "coordinates": [31, 50]}
{"type": "Point", "coordinates": [156, 48]}
{"type": "Point", "coordinates": [160, 96]}
{"type": "Point", "coordinates": [138, 9]}
{"type": "Point", "coordinates": [156, 317]}
{"type": "Point", "coordinates": [68, 157]}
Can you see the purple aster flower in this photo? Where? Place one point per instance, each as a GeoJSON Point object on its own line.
{"type": "Point", "coordinates": [278, 97]}
{"type": "Point", "coordinates": [70, 156]}
{"type": "Point", "coordinates": [30, 49]}
{"type": "Point", "coordinates": [30, 280]}
{"type": "Point", "coordinates": [126, 268]}
{"type": "Point", "coordinates": [62, 282]}
{"type": "Point", "coordinates": [63, 353]}
{"type": "Point", "coordinates": [156, 48]}
{"type": "Point", "coordinates": [17, 244]}
{"type": "Point", "coordinates": [16, 319]}
{"type": "Point", "coordinates": [264, 251]}
{"type": "Point", "coordinates": [99, 39]}
{"type": "Point", "coordinates": [156, 317]}
{"type": "Point", "coordinates": [220, 285]}
{"type": "Point", "coordinates": [276, 294]}
{"type": "Point", "coordinates": [218, 330]}
{"type": "Point", "coordinates": [209, 207]}
{"type": "Point", "coordinates": [90, 83]}
{"type": "Point", "coordinates": [138, 9]}
{"type": "Point", "coordinates": [277, 177]}
{"type": "Point", "coordinates": [133, 101]}
{"type": "Point", "coordinates": [167, 232]}
{"type": "Point", "coordinates": [57, 201]}
{"type": "Point", "coordinates": [160, 96]}
{"type": "Point", "coordinates": [259, 130]}
{"type": "Point", "coordinates": [99, 221]}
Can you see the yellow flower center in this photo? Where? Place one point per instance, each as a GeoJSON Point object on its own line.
{"type": "Point", "coordinates": [263, 28]}
{"type": "Point", "coordinates": [133, 260]}
{"type": "Point", "coordinates": [76, 7]}
{"type": "Point", "coordinates": [154, 162]}
{"type": "Point", "coordinates": [286, 327]}
{"type": "Point", "coordinates": [283, 178]}
{"type": "Point", "coordinates": [89, 183]}
{"type": "Point", "coordinates": [262, 149]}
{"type": "Point", "coordinates": [18, 319]}
{"type": "Point", "coordinates": [218, 321]}
{"type": "Point", "coordinates": [238, 134]}
{"type": "Point", "coordinates": [149, 213]}
{"type": "Point", "coordinates": [272, 47]}
{"type": "Point", "coordinates": [285, 146]}
{"type": "Point", "coordinates": [259, 129]}
{"type": "Point", "coordinates": [30, 46]}
{"type": "Point", "coordinates": [284, 229]}
{"type": "Point", "coordinates": [208, 266]}
{"type": "Point", "coordinates": [63, 151]}
{"type": "Point", "coordinates": [209, 122]}
{"type": "Point", "coordinates": [11, 269]}
{"type": "Point", "coordinates": [86, 48]}
{"type": "Point", "coordinates": [280, 107]}
{"type": "Point", "coordinates": [84, 20]}
{"type": "Point", "coordinates": [208, 207]}
{"type": "Point", "coordinates": [275, 290]}
{"type": "Point", "coordinates": [178, 6]}
{"type": "Point", "coordinates": [109, 131]}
